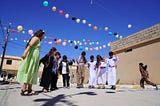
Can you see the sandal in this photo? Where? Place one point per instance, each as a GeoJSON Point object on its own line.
{"type": "Point", "coordinates": [24, 93]}
{"type": "Point", "coordinates": [31, 92]}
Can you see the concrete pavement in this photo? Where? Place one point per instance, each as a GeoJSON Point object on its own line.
{"type": "Point", "coordinates": [125, 95]}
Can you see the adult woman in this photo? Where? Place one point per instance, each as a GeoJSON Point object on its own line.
{"type": "Point", "coordinates": [28, 69]}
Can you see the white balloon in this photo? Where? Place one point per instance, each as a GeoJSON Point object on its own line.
{"type": "Point", "coordinates": [104, 46]}
{"type": "Point", "coordinates": [78, 20]}
{"type": "Point", "coordinates": [66, 15]}
{"type": "Point", "coordinates": [89, 25]}
{"type": "Point", "coordinates": [84, 21]}
{"type": "Point", "coordinates": [64, 43]}
{"type": "Point", "coordinates": [129, 25]}
{"type": "Point", "coordinates": [106, 28]}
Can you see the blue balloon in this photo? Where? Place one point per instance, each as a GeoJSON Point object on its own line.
{"type": "Point", "coordinates": [45, 3]}
{"type": "Point", "coordinates": [80, 48]}
{"type": "Point", "coordinates": [110, 33]}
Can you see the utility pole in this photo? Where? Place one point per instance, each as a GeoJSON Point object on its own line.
{"type": "Point", "coordinates": [4, 47]}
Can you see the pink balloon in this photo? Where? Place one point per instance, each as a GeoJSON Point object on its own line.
{"type": "Point", "coordinates": [30, 32]}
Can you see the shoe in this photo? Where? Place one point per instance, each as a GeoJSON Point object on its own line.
{"type": "Point", "coordinates": [67, 87]}
{"type": "Point", "coordinates": [56, 88]}
{"type": "Point", "coordinates": [78, 87]}
{"type": "Point", "coordinates": [81, 86]}
{"type": "Point", "coordinates": [113, 87]}
{"type": "Point", "coordinates": [93, 87]}
{"type": "Point", "coordinates": [89, 86]}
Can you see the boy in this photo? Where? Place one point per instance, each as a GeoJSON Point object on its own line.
{"type": "Point", "coordinates": [92, 72]}
{"type": "Point", "coordinates": [145, 76]}
{"type": "Point", "coordinates": [111, 62]}
{"type": "Point", "coordinates": [64, 68]}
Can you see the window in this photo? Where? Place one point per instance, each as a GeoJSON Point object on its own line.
{"type": "Point", "coordinates": [9, 62]}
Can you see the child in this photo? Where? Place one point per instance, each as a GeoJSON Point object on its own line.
{"type": "Point", "coordinates": [81, 69]}
{"type": "Point", "coordinates": [55, 71]}
{"type": "Point", "coordinates": [92, 72]}
{"type": "Point", "coordinates": [64, 68]}
{"type": "Point", "coordinates": [101, 72]}
{"type": "Point", "coordinates": [145, 76]}
{"type": "Point", "coordinates": [48, 63]}
{"type": "Point", "coordinates": [72, 78]}
{"type": "Point", "coordinates": [111, 62]}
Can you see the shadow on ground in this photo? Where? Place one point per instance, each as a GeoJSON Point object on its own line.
{"type": "Point", "coordinates": [62, 98]}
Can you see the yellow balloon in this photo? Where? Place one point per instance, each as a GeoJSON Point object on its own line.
{"type": "Point", "coordinates": [19, 28]}
{"type": "Point", "coordinates": [54, 8]}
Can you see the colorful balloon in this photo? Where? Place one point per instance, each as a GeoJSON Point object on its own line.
{"type": "Point", "coordinates": [74, 18]}
{"type": "Point", "coordinates": [78, 20]}
{"type": "Point", "coordinates": [19, 28]}
{"type": "Point", "coordinates": [104, 46]}
{"type": "Point", "coordinates": [66, 15]}
{"type": "Point", "coordinates": [86, 48]}
{"type": "Point", "coordinates": [60, 12]}
{"type": "Point", "coordinates": [54, 8]}
{"type": "Point", "coordinates": [91, 49]}
{"type": "Point", "coordinates": [129, 25]}
{"type": "Point", "coordinates": [84, 21]}
{"type": "Point", "coordinates": [95, 28]}
{"type": "Point", "coordinates": [64, 43]}
{"type": "Point", "coordinates": [30, 32]}
{"type": "Point", "coordinates": [76, 47]}
{"type": "Point", "coordinates": [106, 28]}
{"type": "Point", "coordinates": [13, 30]}
{"type": "Point", "coordinates": [45, 3]}
{"type": "Point", "coordinates": [109, 44]}
{"type": "Point", "coordinates": [81, 48]}
{"type": "Point", "coordinates": [23, 32]}
{"type": "Point", "coordinates": [120, 36]}
{"type": "Point", "coordinates": [89, 25]}
{"type": "Point", "coordinates": [5, 28]}
{"type": "Point", "coordinates": [110, 33]}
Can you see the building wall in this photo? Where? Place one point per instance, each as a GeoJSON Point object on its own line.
{"type": "Point", "coordinates": [128, 70]}
{"type": "Point", "coordinates": [143, 46]}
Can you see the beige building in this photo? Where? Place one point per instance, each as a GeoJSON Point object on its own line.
{"type": "Point", "coordinates": [143, 46]}
{"type": "Point", "coordinates": [10, 67]}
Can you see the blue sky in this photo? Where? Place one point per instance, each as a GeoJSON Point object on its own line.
{"type": "Point", "coordinates": [114, 14]}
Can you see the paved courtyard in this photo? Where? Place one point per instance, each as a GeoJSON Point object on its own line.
{"type": "Point", "coordinates": [125, 95]}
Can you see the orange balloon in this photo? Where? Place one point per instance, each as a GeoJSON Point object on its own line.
{"type": "Point", "coordinates": [95, 28]}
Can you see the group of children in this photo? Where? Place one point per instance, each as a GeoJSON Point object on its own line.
{"type": "Point", "coordinates": [97, 71]}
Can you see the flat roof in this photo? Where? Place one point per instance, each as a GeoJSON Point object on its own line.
{"type": "Point", "coordinates": [141, 38]}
